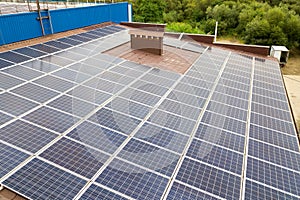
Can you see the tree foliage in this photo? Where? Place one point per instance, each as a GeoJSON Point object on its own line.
{"type": "Point", "coordinates": [264, 22]}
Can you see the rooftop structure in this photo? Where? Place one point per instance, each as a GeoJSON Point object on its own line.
{"type": "Point", "coordinates": [80, 122]}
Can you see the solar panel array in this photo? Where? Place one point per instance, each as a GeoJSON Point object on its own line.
{"type": "Point", "coordinates": [79, 124]}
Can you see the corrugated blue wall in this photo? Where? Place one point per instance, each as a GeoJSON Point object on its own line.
{"type": "Point", "coordinates": [23, 26]}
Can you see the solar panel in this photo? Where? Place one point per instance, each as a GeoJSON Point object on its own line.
{"type": "Point", "coordinates": [77, 123]}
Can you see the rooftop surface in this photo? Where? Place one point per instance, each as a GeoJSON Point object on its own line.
{"type": "Point", "coordinates": [79, 122]}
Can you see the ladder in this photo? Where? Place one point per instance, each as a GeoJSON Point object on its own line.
{"type": "Point", "coordinates": [45, 19]}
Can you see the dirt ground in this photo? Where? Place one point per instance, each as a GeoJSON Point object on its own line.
{"type": "Point", "coordinates": [293, 65]}
{"type": "Point", "coordinates": [293, 68]}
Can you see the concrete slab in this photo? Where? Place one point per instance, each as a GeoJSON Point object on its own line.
{"type": "Point", "coordinates": [292, 83]}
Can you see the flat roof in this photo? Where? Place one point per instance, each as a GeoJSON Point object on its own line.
{"type": "Point", "coordinates": [80, 122]}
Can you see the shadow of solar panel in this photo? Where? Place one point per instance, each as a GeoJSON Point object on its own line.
{"type": "Point", "coordinates": [273, 175]}
{"type": "Point", "coordinates": [57, 44]}
{"type": "Point", "coordinates": [129, 107]}
{"type": "Point", "coordinates": [140, 97]}
{"type": "Point", "coordinates": [30, 52]}
{"type": "Point", "coordinates": [272, 123]}
{"type": "Point", "coordinates": [22, 72]}
{"type": "Point", "coordinates": [132, 181]}
{"type": "Point", "coordinates": [173, 122]}
{"type": "Point", "coordinates": [224, 122]}
{"type": "Point", "coordinates": [14, 57]}
{"type": "Point", "coordinates": [98, 193]}
{"type": "Point", "coordinates": [54, 183]}
{"type": "Point", "coordinates": [209, 179]}
{"type": "Point", "coordinates": [52, 119]}
{"type": "Point", "coordinates": [115, 121]}
{"type": "Point", "coordinates": [179, 191]}
{"type": "Point", "coordinates": [15, 105]}
{"type": "Point", "coordinates": [274, 155]}
{"type": "Point", "coordinates": [69, 41]}
{"type": "Point", "coordinates": [72, 105]}
{"type": "Point", "coordinates": [4, 63]}
{"type": "Point", "coordinates": [149, 156]}
{"type": "Point", "coordinates": [75, 157]}
{"type": "Point", "coordinates": [26, 136]}
{"type": "Point", "coordinates": [258, 191]}
{"type": "Point", "coordinates": [7, 82]}
{"type": "Point", "coordinates": [162, 137]}
{"type": "Point", "coordinates": [55, 83]}
{"type": "Point", "coordinates": [273, 137]}
{"type": "Point", "coordinates": [10, 158]}
{"type": "Point", "coordinates": [97, 136]}
{"type": "Point", "coordinates": [89, 94]}
{"type": "Point", "coordinates": [44, 48]}
{"type": "Point", "coordinates": [41, 66]}
{"type": "Point", "coordinates": [149, 87]}
{"type": "Point", "coordinates": [220, 137]}
{"type": "Point", "coordinates": [216, 156]}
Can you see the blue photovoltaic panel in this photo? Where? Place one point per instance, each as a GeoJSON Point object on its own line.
{"type": "Point", "coordinates": [209, 179]}
{"type": "Point", "coordinates": [98, 193]}
{"type": "Point", "coordinates": [30, 52]}
{"type": "Point", "coordinates": [10, 158]}
{"type": "Point", "coordinates": [216, 156]}
{"type": "Point", "coordinates": [14, 57]}
{"type": "Point", "coordinates": [15, 105]}
{"type": "Point", "coordinates": [179, 191]}
{"type": "Point", "coordinates": [134, 131]}
{"type": "Point", "coordinates": [7, 82]}
{"type": "Point", "coordinates": [143, 154]}
{"type": "Point", "coordinates": [23, 72]}
{"type": "Point", "coordinates": [57, 183]}
{"type": "Point", "coordinates": [75, 157]}
{"type": "Point", "coordinates": [26, 136]}
{"type": "Point", "coordinates": [132, 181]}
{"type": "Point", "coordinates": [4, 118]}
{"type": "Point", "coordinates": [35, 92]}
{"type": "Point", "coordinates": [97, 137]}
{"type": "Point", "coordinates": [51, 119]}
{"type": "Point", "coordinates": [4, 63]}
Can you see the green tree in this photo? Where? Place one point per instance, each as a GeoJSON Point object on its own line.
{"type": "Point", "coordinates": [149, 10]}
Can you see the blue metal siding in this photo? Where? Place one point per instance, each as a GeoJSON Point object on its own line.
{"type": "Point", "coordinates": [17, 27]}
